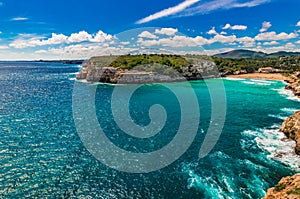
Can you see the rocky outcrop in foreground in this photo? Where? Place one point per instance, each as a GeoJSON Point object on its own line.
{"type": "Point", "coordinates": [291, 128]}
{"type": "Point", "coordinates": [287, 188]}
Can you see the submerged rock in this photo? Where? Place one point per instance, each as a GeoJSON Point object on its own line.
{"type": "Point", "coordinates": [287, 188]}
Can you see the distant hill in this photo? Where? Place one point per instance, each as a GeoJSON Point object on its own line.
{"type": "Point", "coordinates": [236, 54]}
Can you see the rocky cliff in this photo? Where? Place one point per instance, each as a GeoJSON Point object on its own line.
{"type": "Point", "coordinates": [105, 69]}
{"type": "Point", "coordinates": [294, 83]}
{"type": "Point", "coordinates": [287, 188]}
{"type": "Point", "coordinates": [291, 128]}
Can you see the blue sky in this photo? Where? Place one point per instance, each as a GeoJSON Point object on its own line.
{"type": "Point", "coordinates": [35, 29]}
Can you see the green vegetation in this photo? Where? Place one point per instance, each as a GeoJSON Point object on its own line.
{"type": "Point", "coordinates": [295, 191]}
{"type": "Point", "coordinates": [163, 64]}
{"type": "Point", "coordinates": [285, 64]}
{"type": "Point", "coordinates": [280, 187]}
{"type": "Point", "coordinates": [131, 61]}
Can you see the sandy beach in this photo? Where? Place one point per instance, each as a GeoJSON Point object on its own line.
{"type": "Point", "coordinates": [268, 76]}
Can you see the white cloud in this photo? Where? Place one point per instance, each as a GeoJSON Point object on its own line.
{"type": "Point", "coordinates": [168, 11]}
{"type": "Point", "coordinates": [271, 43]}
{"type": "Point", "coordinates": [213, 5]}
{"type": "Point", "coordinates": [246, 41]}
{"type": "Point", "coordinates": [19, 19]}
{"type": "Point", "coordinates": [227, 26]}
{"type": "Point", "coordinates": [239, 27]}
{"type": "Point", "coordinates": [298, 42]}
{"type": "Point", "coordinates": [212, 31]}
{"type": "Point", "coordinates": [2, 47]}
{"type": "Point", "coordinates": [25, 41]}
{"type": "Point", "coordinates": [166, 31]}
{"type": "Point", "coordinates": [223, 33]}
{"type": "Point", "coordinates": [234, 27]}
{"type": "Point", "coordinates": [176, 41]}
{"type": "Point", "coordinates": [79, 37]}
{"type": "Point", "coordinates": [273, 36]}
{"type": "Point", "coordinates": [125, 43]}
{"type": "Point", "coordinates": [101, 37]}
{"type": "Point", "coordinates": [147, 34]}
{"type": "Point", "coordinates": [298, 24]}
{"type": "Point", "coordinates": [265, 26]}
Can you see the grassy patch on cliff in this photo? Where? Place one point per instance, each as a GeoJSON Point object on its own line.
{"type": "Point", "coordinates": [295, 191]}
{"type": "Point", "coordinates": [280, 187]}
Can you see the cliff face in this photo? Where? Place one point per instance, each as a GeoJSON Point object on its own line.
{"type": "Point", "coordinates": [291, 128]}
{"type": "Point", "coordinates": [287, 188]}
{"type": "Point", "coordinates": [100, 71]}
{"type": "Point", "coordinates": [294, 83]}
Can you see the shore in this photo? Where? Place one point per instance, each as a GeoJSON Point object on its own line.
{"type": "Point", "coordinates": [267, 76]}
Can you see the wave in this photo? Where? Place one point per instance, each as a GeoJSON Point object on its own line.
{"type": "Point", "coordinates": [277, 146]}
{"type": "Point", "coordinates": [289, 110]}
{"type": "Point", "coordinates": [279, 116]}
{"type": "Point", "coordinates": [234, 79]}
{"type": "Point", "coordinates": [258, 82]}
{"type": "Point", "coordinates": [288, 94]}
{"type": "Point", "coordinates": [219, 181]}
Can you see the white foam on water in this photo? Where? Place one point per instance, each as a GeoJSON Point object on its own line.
{"type": "Point", "coordinates": [259, 83]}
{"type": "Point", "coordinates": [275, 143]}
{"type": "Point", "coordinates": [220, 181]}
{"type": "Point", "coordinates": [234, 79]}
{"type": "Point", "coordinates": [278, 116]}
{"type": "Point", "coordinates": [288, 94]}
{"type": "Point", "coordinates": [72, 79]}
{"type": "Point", "coordinates": [289, 110]}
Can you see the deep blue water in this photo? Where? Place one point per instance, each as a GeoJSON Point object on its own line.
{"type": "Point", "coordinates": [42, 156]}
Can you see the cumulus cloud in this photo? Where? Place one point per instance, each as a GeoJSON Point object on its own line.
{"type": "Point", "coordinates": [79, 37]}
{"type": "Point", "coordinates": [234, 27]}
{"type": "Point", "coordinates": [166, 31]}
{"type": "Point", "coordinates": [169, 11]}
{"type": "Point", "coordinates": [176, 41]}
{"type": "Point", "coordinates": [265, 26]}
{"type": "Point", "coordinates": [212, 31]}
{"type": "Point", "coordinates": [298, 24]}
{"type": "Point", "coordinates": [147, 34]}
{"type": "Point", "coordinates": [25, 41]}
{"type": "Point", "coordinates": [273, 36]}
{"type": "Point", "coordinates": [270, 43]}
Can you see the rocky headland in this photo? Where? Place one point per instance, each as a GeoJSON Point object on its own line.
{"type": "Point", "coordinates": [136, 69]}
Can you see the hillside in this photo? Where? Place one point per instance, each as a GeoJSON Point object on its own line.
{"type": "Point", "coordinates": [237, 54]}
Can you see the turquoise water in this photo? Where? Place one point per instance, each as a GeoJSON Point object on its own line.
{"type": "Point", "coordinates": [42, 156]}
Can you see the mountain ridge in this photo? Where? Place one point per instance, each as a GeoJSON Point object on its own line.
{"type": "Point", "coordinates": [237, 54]}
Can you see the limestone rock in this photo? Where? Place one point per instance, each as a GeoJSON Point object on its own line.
{"type": "Point", "coordinates": [287, 188]}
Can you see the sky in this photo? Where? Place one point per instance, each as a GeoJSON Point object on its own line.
{"type": "Point", "coordinates": [35, 29]}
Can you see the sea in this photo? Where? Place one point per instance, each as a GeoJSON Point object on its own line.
{"type": "Point", "coordinates": [42, 154]}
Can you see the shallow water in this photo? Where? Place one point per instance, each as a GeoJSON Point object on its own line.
{"type": "Point", "coordinates": [42, 156]}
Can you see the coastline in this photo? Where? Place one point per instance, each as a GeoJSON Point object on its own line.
{"type": "Point", "coordinates": [266, 76]}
